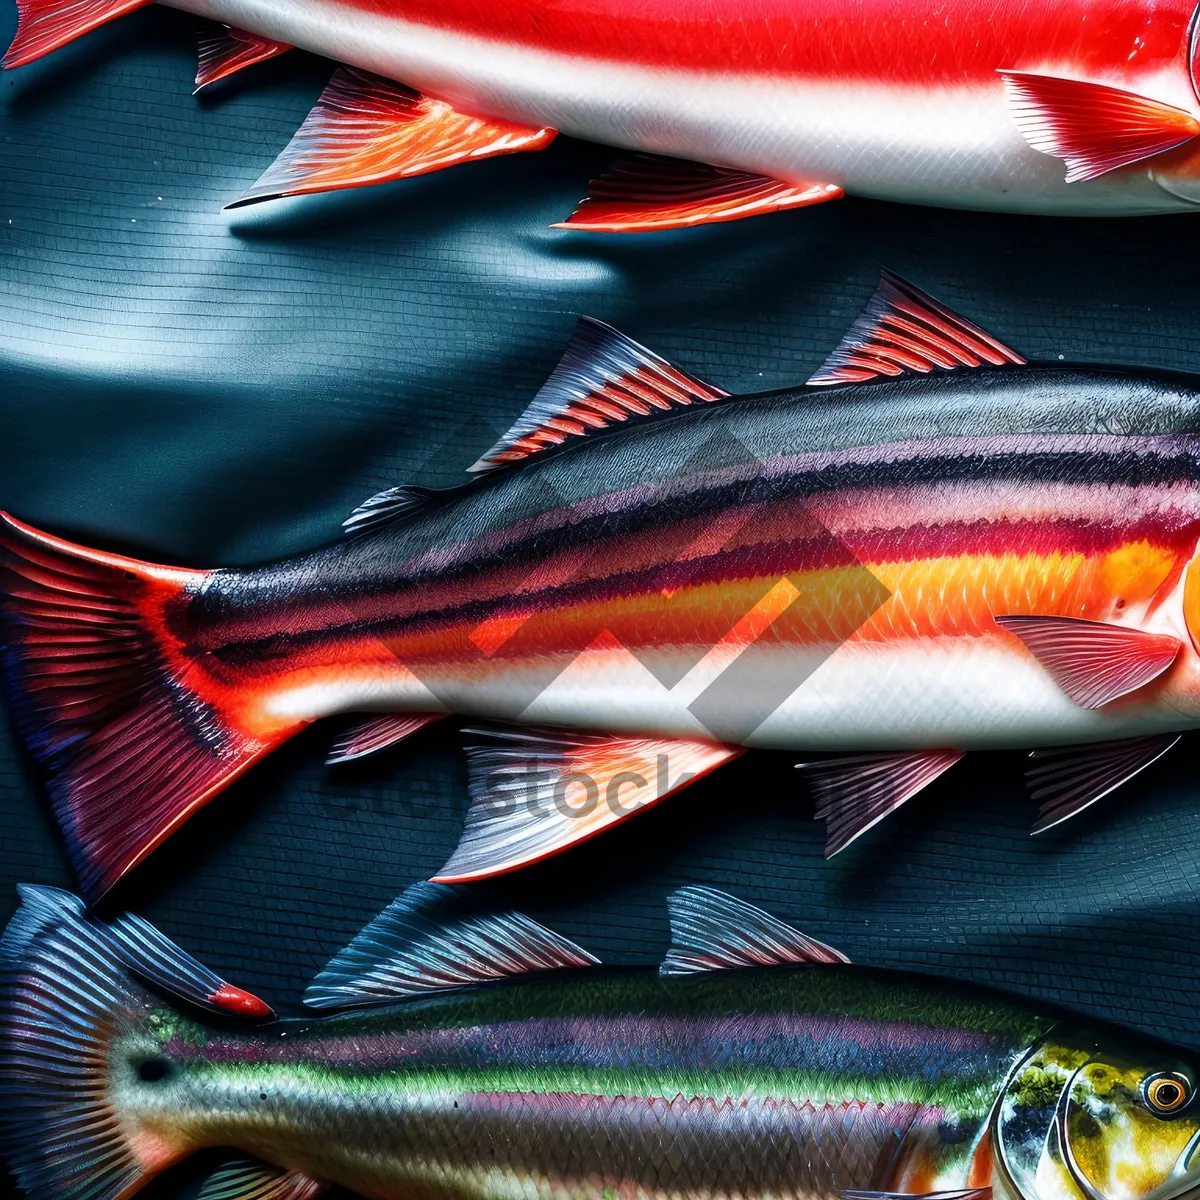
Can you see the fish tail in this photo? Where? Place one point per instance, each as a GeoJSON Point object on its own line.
{"type": "Point", "coordinates": [67, 1003]}
{"type": "Point", "coordinates": [110, 699]}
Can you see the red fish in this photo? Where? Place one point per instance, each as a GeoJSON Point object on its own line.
{"type": "Point", "coordinates": [933, 547]}
{"type": "Point", "coordinates": [1051, 106]}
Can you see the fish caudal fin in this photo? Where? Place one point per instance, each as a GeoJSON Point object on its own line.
{"type": "Point", "coordinates": [69, 994]}
{"type": "Point", "coordinates": [44, 25]}
{"type": "Point", "coordinates": [366, 129]}
{"type": "Point", "coordinates": [105, 697]}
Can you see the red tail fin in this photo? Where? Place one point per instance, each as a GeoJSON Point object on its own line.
{"type": "Point", "coordinates": [105, 694]}
{"type": "Point", "coordinates": [44, 25]}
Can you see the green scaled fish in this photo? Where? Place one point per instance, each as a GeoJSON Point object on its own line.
{"type": "Point", "coordinates": [479, 1056]}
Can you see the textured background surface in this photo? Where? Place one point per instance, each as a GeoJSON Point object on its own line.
{"type": "Point", "coordinates": [204, 388]}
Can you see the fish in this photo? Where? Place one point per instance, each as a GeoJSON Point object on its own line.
{"type": "Point", "coordinates": [731, 108]}
{"type": "Point", "coordinates": [932, 547]}
{"type": "Point", "coordinates": [463, 1052]}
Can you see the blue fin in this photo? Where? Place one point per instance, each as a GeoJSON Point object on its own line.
{"type": "Point", "coordinates": [711, 930]}
{"type": "Point", "coordinates": [250, 1179]}
{"type": "Point", "coordinates": [436, 938]}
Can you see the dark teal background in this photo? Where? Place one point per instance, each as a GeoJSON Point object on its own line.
{"type": "Point", "coordinates": [204, 388]}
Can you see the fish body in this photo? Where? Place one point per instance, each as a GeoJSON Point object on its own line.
{"type": "Point", "coordinates": [932, 548]}
{"type": "Point", "coordinates": [929, 101]}
{"type": "Point", "coordinates": [710, 1079]}
{"type": "Point", "coordinates": [961, 496]}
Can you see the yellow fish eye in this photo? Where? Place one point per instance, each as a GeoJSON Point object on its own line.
{"type": "Point", "coordinates": [1166, 1092]}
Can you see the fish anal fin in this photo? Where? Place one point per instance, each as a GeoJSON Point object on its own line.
{"type": "Point", "coordinates": [224, 50]}
{"type": "Point", "coordinates": [603, 380]}
{"type": "Point", "coordinates": [905, 331]}
{"type": "Point", "coordinates": [366, 129]}
{"type": "Point", "coordinates": [1093, 662]}
{"type": "Point", "coordinates": [250, 1179]}
{"type": "Point", "coordinates": [856, 792]}
{"type": "Point", "coordinates": [647, 192]}
{"type": "Point", "coordinates": [534, 793]}
{"type": "Point", "coordinates": [1069, 779]}
{"type": "Point", "coordinates": [434, 939]}
{"type": "Point", "coordinates": [45, 25]}
{"type": "Point", "coordinates": [378, 733]}
{"type": "Point", "coordinates": [712, 931]}
{"type": "Point", "coordinates": [1092, 127]}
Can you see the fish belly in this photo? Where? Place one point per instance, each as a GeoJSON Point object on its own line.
{"type": "Point", "coordinates": [952, 144]}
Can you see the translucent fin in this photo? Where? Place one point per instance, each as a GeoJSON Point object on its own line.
{"type": "Point", "coordinates": [44, 25]}
{"type": "Point", "coordinates": [1092, 661]}
{"type": "Point", "coordinates": [711, 931]}
{"type": "Point", "coordinates": [249, 1179]}
{"type": "Point", "coordinates": [903, 330]}
{"type": "Point", "coordinates": [1069, 779]}
{"type": "Point", "coordinates": [604, 379]}
{"type": "Point", "coordinates": [858, 791]}
{"type": "Point", "coordinates": [226, 50]}
{"type": "Point", "coordinates": [387, 506]}
{"type": "Point", "coordinates": [647, 192]}
{"type": "Point", "coordinates": [378, 733]}
{"type": "Point", "coordinates": [1093, 128]}
{"type": "Point", "coordinates": [103, 700]}
{"type": "Point", "coordinates": [536, 792]}
{"type": "Point", "coordinates": [366, 129]}
{"type": "Point", "coordinates": [68, 998]}
{"type": "Point", "coordinates": [434, 939]}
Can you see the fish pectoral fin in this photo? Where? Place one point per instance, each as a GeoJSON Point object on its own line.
{"type": "Point", "coordinates": [536, 792]}
{"type": "Point", "coordinates": [646, 192]}
{"type": "Point", "coordinates": [224, 50]}
{"type": "Point", "coordinates": [1068, 779]}
{"type": "Point", "coordinates": [712, 931]}
{"type": "Point", "coordinates": [366, 129]}
{"type": "Point", "coordinates": [1093, 662]}
{"type": "Point", "coordinates": [44, 25]}
{"type": "Point", "coordinates": [250, 1179]}
{"type": "Point", "coordinates": [603, 380]}
{"type": "Point", "coordinates": [979, 1193]}
{"type": "Point", "coordinates": [377, 733]}
{"type": "Point", "coordinates": [905, 331]}
{"type": "Point", "coordinates": [858, 791]}
{"type": "Point", "coordinates": [435, 938]}
{"type": "Point", "coordinates": [388, 505]}
{"type": "Point", "coordinates": [1092, 127]}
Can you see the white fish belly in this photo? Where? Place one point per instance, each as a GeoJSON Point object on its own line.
{"type": "Point", "coordinates": [966, 693]}
{"type": "Point", "coordinates": [951, 146]}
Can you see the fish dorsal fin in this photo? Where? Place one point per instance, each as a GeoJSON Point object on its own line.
{"type": "Point", "coordinates": [711, 930]}
{"type": "Point", "coordinates": [604, 379]}
{"type": "Point", "coordinates": [905, 331]}
{"type": "Point", "coordinates": [436, 938]}
{"type": "Point", "coordinates": [386, 506]}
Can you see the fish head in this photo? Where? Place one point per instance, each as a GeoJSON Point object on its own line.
{"type": "Point", "coordinates": [1101, 1116]}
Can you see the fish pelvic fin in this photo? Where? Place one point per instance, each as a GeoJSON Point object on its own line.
{"type": "Point", "coordinates": [108, 698]}
{"type": "Point", "coordinates": [646, 192]}
{"type": "Point", "coordinates": [366, 129]}
{"type": "Point", "coordinates": [223, 50]}
{"type": "Point", "coordinates": [1092, 127]}
{"type": "Point", "coordinates": [249, 1179]}
{"type": "Point", "coordinates": [44, 25]}
{"type": "Point", "coordinates": [73, 1032]}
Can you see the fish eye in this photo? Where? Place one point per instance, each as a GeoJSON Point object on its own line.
{"type": "Point", "coordinates": [151, 1070]}
{"type": "Point", "coordinates": [1166, 1092]}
